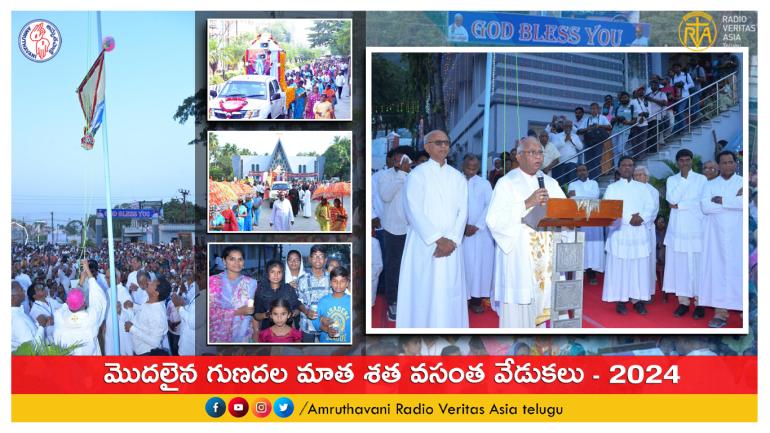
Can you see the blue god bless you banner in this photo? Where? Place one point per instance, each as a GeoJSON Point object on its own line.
{"type": "Point", "coordinates": [517, 29]}
{"type": "Point", "coordinates": [126, 213]}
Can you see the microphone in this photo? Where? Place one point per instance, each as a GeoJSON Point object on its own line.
{"type": "Point", "coordinates": [540, 182]}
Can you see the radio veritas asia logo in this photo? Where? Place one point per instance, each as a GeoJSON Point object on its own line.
{"type": "Point", "coordinates": [39, 40]}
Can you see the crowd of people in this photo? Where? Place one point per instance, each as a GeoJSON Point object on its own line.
{"type": "Point", "coordinates": [244, 215]}
{"type": "Point", "coordinates": [287, 304]}
{"type": "Point", "coordinates": [317, 88]}
{"type": "Point", "coordinates": [635, 122]}
{"type": "Point", "coordinates": [60, 295]}
{"type": "Point", "coordinates": [450, 241]}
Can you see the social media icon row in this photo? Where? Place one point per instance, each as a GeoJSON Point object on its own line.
{"type": "Point", "coordinates": [239, 407]}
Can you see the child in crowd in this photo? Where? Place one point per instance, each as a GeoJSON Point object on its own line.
{"type": "Point", "coordinates": [334, 309]}
{"type": "Point", "coordinates": [281, 331]}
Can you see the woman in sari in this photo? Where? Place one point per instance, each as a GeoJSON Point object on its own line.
{"type": "Point", "coordinates": [312, 98]}
{"type": "Point", "coordinates": [322, 215]}
{"type": "Point", "coordinates": [338, 216]}
{"type": "Point", "coordinates": [229, 307]}
{"type": "Point", "coordinates": [299, 102]}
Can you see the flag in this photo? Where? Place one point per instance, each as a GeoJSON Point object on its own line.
{"type": "Point", "coordinates": [91, 95]}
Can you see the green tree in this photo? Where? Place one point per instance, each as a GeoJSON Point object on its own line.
{"type": "Point", "coordinates": [337, 159]}
{"type": "Point", "coordinates": [333, 34]}
{"type": "Point", "coordinates": [174, 211]}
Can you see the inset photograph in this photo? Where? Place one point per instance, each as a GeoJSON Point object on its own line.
{"type": "Point", "coordinates": [279, 293]}
{"type": "Point", "coordinates": [290, 69]}
{"type": "Point", "coordinates": [280, 181]}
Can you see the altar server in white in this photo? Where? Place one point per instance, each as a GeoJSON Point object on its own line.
{"type": "Point", "coordinates": [593, 249]}
{"type": "Point", "coordinates": [684, 236]}
{"type": "Point", "coordinates": [478, 246]}
{"type": "Point", "coordinates": [722, 202]}
{"type": "Point", "coordinates": [522, 282]}
{"type": "Point", "coordinates": [627, 275]}
{"type": "Point", "coordinates": [431, 286]}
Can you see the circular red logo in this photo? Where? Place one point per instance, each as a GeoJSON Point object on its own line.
{"type": "Point", "coordinates": [238, 407]}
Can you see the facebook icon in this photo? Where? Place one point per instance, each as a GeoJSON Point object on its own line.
{"type": "Point", "coordinates": [215, 407]}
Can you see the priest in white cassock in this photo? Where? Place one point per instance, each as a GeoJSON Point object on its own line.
{"type": "Point", "coordinates": [23, 328]}
{"type": "Point", "coordinates": [431, 286]}
{"type": "Point", "coordinates": [593, 247]}
{"type": "Point", "coordinates": [478, 246]}
{"type": "Point", "coordinates": [627, 275]}
{"type": "Point", "coordinates": [522, 281]}
{"type": "Point", "coordinates": [684, 236]}
{"type": "Point", "coordinates": [282, 217]}
{"type": "Point", "coordinates": [642, 175]}
{"type": "Point", "coordinates": [721, 286]}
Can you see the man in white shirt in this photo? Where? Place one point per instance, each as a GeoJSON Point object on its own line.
{"type": "Point", "coordinates": [569, 144]}
{"type": "Point", "coordinates": [79, 321]}
{"type": "Point", "coordinates": [139, 294]}
{"type": "Point", "coordinates": [637, 137]}
{"type": "Point", "coordinates": [656, 123]}
{"type": "Point", "coordinates": [550, 153]}
{"type": "Point", "coordinates": [593, 246]}
{"type": "Point", "coordinates": [339, 82]}
{"type": "Point", "coordinates": [721, 285]}
{"type": "Point", "coordinates": [42, 308]}
{"type": "Point", "coordinates": [642, 175]}
{"type": "Point", "coordinates": [456, 32]}
{"type": "Point", "coordinates": [684, 235]}
{"type": "Point", "coordinates": [149, 323]}
{"type": "Point", "coordinates": [393, 219]}
{"type": "Point", "coordinates": [136, 266]}
{"type": "Point", "coordinates": [282, 217]}
{"type": "Point", "coordinates": [23, 328]}
{"type": "Point", "coordinates": [478, 247]}
{"type": "Point", "coordinates": [596, 132]}
{"type": "Point", "coordinates": [522, 282]}
{"type": "Point", "coordinates": [431, 286]}
{"type": "Point", "coordinates": [683, 82]}
{"type": "Point", "coordinates": [627, 275]}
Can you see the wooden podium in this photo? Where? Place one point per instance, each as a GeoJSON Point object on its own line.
{"type": "Point", "coordinates": [567, 293]}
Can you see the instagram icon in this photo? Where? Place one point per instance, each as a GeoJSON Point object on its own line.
{"type": "Point", "coordinates": [262, 407]}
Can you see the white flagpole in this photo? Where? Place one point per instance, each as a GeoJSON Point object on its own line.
{"type": "Point", "coordinates": [110, 238]}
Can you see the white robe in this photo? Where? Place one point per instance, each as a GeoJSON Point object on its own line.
{"type": "Point", "coordinates": [479, 249]}
{"type": "Point", "coordinates": [24, 328]}
{"type": "Point", "coordinates": [431, 291]}
{"type": "Point", "coordinates": [722, 282]}
{"type": "Point", "coordinates": [187, 328]}
{"type": "Point", "coordinates": [307, 207]}
{"type": "Point", "coordinates": [126, 348]}
{"type": "Point", "coordinates": [522, 287]}
{"type": "Point", "coordinates": [282, 215]}
{"type": "Point", "coordinates": [684, 235]}
{"type": "Point", "coordinates": [82, 326]}
{"type": "Point", "coordinates": [47, 308]}
{"type": "Point", "coordinates": [650, 224]}
{"type": "Point", "coordinates": [150, 326]}
{"type": "Point", "coordinates": [627, 273]}
{"type": "Point", "coordinates": [593, 248]}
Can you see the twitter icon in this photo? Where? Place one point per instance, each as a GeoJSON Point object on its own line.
{"type": "Point", "coordinates": [283, 407]}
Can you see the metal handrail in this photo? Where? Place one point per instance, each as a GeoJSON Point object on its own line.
{"type": "Point", "coordinates": [661, 112]}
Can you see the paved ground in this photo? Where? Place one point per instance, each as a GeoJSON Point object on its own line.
{"type": "Point", "coordinates": [301, 223]}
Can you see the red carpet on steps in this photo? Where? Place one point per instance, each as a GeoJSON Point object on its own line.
{"type": "Point", "coordinates": [596, 314]}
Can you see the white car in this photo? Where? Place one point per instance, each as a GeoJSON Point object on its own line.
{"type": "Point", "coordinates": [278, 186]}
{"type": "Point", "coordinates": [247, 97]}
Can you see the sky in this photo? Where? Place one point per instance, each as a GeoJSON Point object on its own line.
{"type": "Point", "coordinates": [293, 141]}
{"type": "Point", "coordinates": [148, 74]}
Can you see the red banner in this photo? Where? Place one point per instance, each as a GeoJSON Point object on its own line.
{"type": "Point", "coordinates": [385, 375]}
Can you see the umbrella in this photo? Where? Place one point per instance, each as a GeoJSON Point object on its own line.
{"type": "Point", "coordinates": [336, 190]}
{"type": "Point", "coordinates": [320, 192]}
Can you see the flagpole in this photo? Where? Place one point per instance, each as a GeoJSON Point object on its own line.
{"type": "Point", "coordinates": [110, 237]}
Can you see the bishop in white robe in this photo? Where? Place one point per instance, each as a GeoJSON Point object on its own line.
{"type": "Point", "coordinates": [522, 276]}
{"type": "Point", "coordinates": [478, 246]}
{"type": "Point", "coordinates": [684, 235]}
{"type": "Point", "coordinates": [431, 285]}
{"type": "Point", "coordinates": [82, 326]}
{"type": "Point", "coordinates": [627, 275]}
{"type": "Point", "coordinates": [593, 246]}
{"type": "Point", "coordinates": [721, 285]}
{"type": "Point", "coordinates": [282, 217]}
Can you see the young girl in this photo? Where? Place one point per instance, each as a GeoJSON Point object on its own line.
{"type": "Point", "coordinates": [281, 331]}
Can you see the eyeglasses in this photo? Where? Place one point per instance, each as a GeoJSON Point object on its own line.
{"type": "Point", "coordinates": [446, 143]}
{"type": "Point", "coordinates": [533, 152]}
